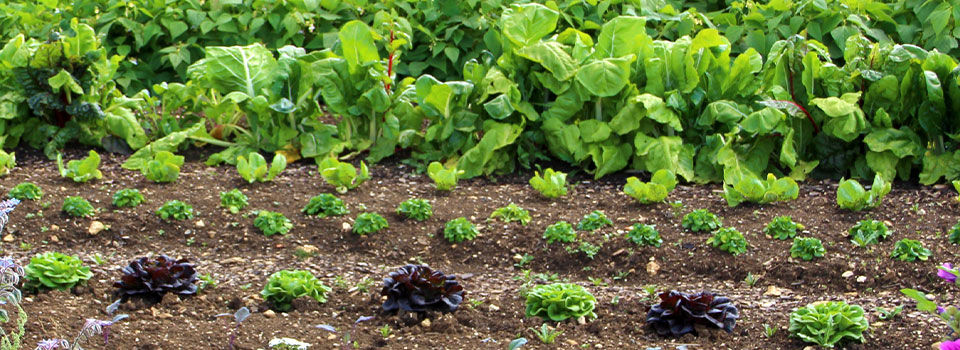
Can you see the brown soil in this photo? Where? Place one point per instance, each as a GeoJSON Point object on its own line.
{"type": "Point", "coordinates": [240, 258]}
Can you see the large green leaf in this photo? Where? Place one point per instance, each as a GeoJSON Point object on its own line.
{"type": "Point", "coordinates": [621, 36]}
{"type": "Point", "coordinates": [83, 41]}
{"type": "Point", "coordinates": [527, 23]}
{"type": "Point", "coordinates": [357, 41]}
{"type": "Point", "coordinates": [245, 69]}
{"type": "Point", "coordinates": [605, 77]}
{"type": "Point", "coordinates": [665, 152]}
{"type": "Point", "coordinates": [552, 56]}
{"type": "Point", "coordinates": [846, 121]}
{"type": "Point", "coordinates": [901, 142]}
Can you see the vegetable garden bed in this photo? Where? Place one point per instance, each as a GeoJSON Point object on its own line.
{"type": "Point", "coordinates": [492, 267]}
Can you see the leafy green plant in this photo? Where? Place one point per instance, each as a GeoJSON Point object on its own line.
{"type": "Point", "coordinates": [459, 230]}
{"type": "Point", "coordinates": [885, 314]}
{"type": "Point", "coordinates": [546, 334]}
{"type": "Point", "coordinates": [53, 270]}
{"type": "Point", "coordinates": [367, 223]}
{"type": "Point", "coordinates": [594, 221]}
{"type": "Point", "coordinates": [956, 187]}
{"type": "Point", "coordinates": [644, 235]}
{"type": "Point", "coordinates": [81, 170]}
{"type": "Point", "coordinates": [254, 167]}
{"type": "Point", "coordinates": [660, 185]}
{"type": "Point", "coordinates": [561, 231]}
{"type": "Point", "coordinates": [271, 223]}
{"type": "Point", "coordinates": [127, 197]}
{"type": "Point", "coordinates": [829, 323]}
{"type": "Point", "coordinates": [954, 233]}
{"type": "Point", "coordinates": [8, 161]}
{"type": "Point", "coordinates": [730, 240]}
{"type": "Point", "coordinates": [744, 186]}
{"type": "Point", "coordinates": [807, 248]}
{"type": "Point", "coordinates": [415, 208]}
{"type": "Point", "coordinates": [26, 190]}
{"type": "Point", "coordinates": [285, 285]}
{"type": "Point", "coordinates": [910, 250]}
{"type": "Point", "coordinates": [782, 227]}
{"type": "Point", "coordinates": [560, 301]}
{"type": "Point", "coordinates": [512, 212]}
{"type": "Point", "coordinates": [553, 184]}
{"type": "Point", "coordinates": [445, 179]}
{"type": "Point", "coordinates": [852, 196]}
{"type": "Point", "coordinates": [701, 220]}
{"type": "Point", "coordinates": [341, 175]}
{"type": "Point", "coordinates": [162, 167]}
{"type": "Point", "coordinates": [325, 205]}
{"type": "Point", "coordinates": [77, 206]}
{"type": "Point", "coordinates": [589, 249]}
{"type": "Point", "coordinates": [867, 232]}
{"type": "Point", "coordinates": [233, 200]}
{"type": "Point", "coordinates": [175, 210]}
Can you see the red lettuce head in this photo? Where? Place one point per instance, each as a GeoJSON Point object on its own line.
{"type": "Point", "coordinates": [152, 278]}
{"type": "Point", "coordinates": [678, 312]}
{"type": "Point", "coordinates": [417, 288]}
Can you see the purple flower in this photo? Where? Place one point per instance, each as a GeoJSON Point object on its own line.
{"type": "Point", "coordinates": [52, 344]}
{"type": "Point", "coordinates": [945, 273]}
{"type": "Point", "coordinates": [940, 310]}
{"type": "Point", "coordinates": [950, 345]}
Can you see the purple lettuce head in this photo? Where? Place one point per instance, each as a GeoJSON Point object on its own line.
{"type": "Point", "coordinates": [950, 345]}
{"type": "Point", "coordinates": [945, 274]}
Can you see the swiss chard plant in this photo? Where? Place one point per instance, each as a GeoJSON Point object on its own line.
{"type": "Point", "coordinates": [445, 179]}
{"type": "Point", "coordinates": [852, 196]}
{"type": "Point", "coordinates": [341, 175]}
{"type": "Point", "coordinates": [254, 167]}
{"type": "Point", "coordinates": [553, 184]}
{"type": "Point", "coordinates": [81, 170]}
{"type": "Point", "coordinates": [660, 185]}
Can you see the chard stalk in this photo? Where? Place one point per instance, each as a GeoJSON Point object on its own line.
{"type": "Point", "coordinates": [598, 109]}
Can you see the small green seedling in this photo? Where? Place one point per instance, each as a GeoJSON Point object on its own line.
{"type": "Point", "coordinates": [511, 213]}
{"type": "Point", "coordinates": [81, 170]}
{"type": "Point", "coordinates": [271, 223]}
{"type": "Point", "coordinates": [552, 185]}
{"type": "Point", "coordinates": [367, 223]}
{"type": "Point", "coordinates": [127, 197]}
{"type": "Point", "coordinates": [445, 179]}
{"type": "Point", "coordinates": [163, 167]}
{"type": "Point", "coordinates": [341, 175]}
{"type": "Point", "coordinates": [254, 168]}
{"type": "Point", "coordinates": [233, 200]}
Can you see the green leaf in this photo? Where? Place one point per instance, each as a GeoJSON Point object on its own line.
{"type": "Point", "coordinates": [665, 152]}
{"type": "Point", "coordinates": [85, 40]}
{"type": "Point", "coordinates": [65, 79]}
{"type": "Point", "coordinates": [246, 69]}
{"type": "Point", "coordinates": [552, 56]}
{"type": "Point", "coordinates": [527, 23]}
{"type": "Point", "coordinates": [594, 130]}
{"type": "Point", "coordinates": [605, 77]}
{"type": "Point", "coordinates": [169, 143]}
{"type": "Point", "coordinates": [358, 44]}
{"type": "Point", "coordinates": [621, 36]}
{"type": "Point", "coordinates": [846, 121]}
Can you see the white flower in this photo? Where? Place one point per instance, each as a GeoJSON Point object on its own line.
{"type": "Point", "coordinates": [288, 343]}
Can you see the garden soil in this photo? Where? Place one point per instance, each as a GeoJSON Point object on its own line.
{"type": "Point", "coordinates": [622, 275]}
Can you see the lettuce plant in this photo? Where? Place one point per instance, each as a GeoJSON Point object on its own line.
{"type": "Point", "coordinates": [852, 196]}
{"type": "Point", "coordinates": [561, 231]}
{"type": "Point", "coordinates": [271, 223]}
{"type": "Point", "coordinates": [730, 240]}
{"type": "Point", "coordinates": [233, 200]}
{"type": "Point", "coordinates": [341, 175]}
{"type": "Point", "coordinates": [77, 206]}
{"type": "Point", "coordinates": [445, 179]}
{"type": "Point", "coordinates": [594, 221]}
{"type": "Point", "coordinates": [701, 220]}
{"type": "Point", "coordinates": [127, 197]}
{"type": "Point", "coordinates": [807, 248]}
{"type": "Point", "coordinates": [560, 301]}
{"type": "Point", "coordinates": [512, 212]}
{"type": "Point", "coordinates": [782, 227]}
{"type": "Point", "coordinates": [954, 234]}
{"type": "Point", "coordinates": [285, 285]}
{"type": "Point", "coordinates": [828, 323]}
{"type": "Point", "coordinates": [644, 235]}
{"type": "Point", "coordinates": [868, 232]}
{"type": "Point", "coordinates": [164, 166]}
{"type": "Point", "coordinates": [151, 278]}
{"type": "Point", "coordinates": [25, 191]}
{"type": "Point", "coordinates": [175, 210]}
{"type": "Point", "coordinates": [910, 250]}
{"type": "Point", "coordinates": [8, 161]}
{"type": "Point", "coordinates": [367, 223]}
{"type": "Point", "coordinates": [744, 186]}
{"type": "Point", "coordinates": [81, 170]}
{"type": "Point", "coordinates": [53, 270]}
{"type": "Point", "coordinates": [655, 191]}
{"type": "Point", "coordinates": [459, 230]}
{"type": "Point", "coordinates": [553, 184]}
{"type": "Point", "coordinates": [254, 167]}
{"type": "Point", "coordinates": [415, 208]}
{"type": "Point", "coordinates": [326, 205]}
{"type": "Point", "coordinates": [678, 313]}
{"type": "Point", "coordinates": [417, 288]}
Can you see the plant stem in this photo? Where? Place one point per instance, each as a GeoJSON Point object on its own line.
{"type": "Point", "coordinates": [598, 109]}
